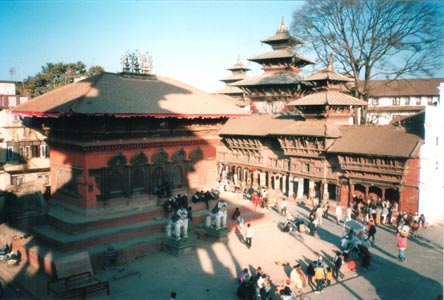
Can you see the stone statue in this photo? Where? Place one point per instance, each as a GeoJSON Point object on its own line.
{"type": "Point", "coordinates": [178, 223]}
{"type": "Point", "coordinates": [218, 215]}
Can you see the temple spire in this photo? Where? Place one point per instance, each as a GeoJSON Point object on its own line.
{"type": "Point", "coordinates": [330, 63]}
{"type": "Point", "coordinates": [239, 62]}
{"type": "Point", "coordinates": [282, 28]}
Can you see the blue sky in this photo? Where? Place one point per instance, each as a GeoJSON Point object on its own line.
{"type": "Point", "coordinates": [190, 41]}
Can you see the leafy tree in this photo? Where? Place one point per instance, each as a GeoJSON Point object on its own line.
{"type": "Point", "coordinates": [94, 70]}
{"type": "Point", "coordinates": [54, 75]}
{"type": "Point", "coordinates": [373, 39]}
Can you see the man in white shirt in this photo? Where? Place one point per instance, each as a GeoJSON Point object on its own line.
{"type": "Point", "coordinates": [249, 235]}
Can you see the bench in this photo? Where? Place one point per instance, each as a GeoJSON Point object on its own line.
{"type": "Point", "coordinates": [75, 278]}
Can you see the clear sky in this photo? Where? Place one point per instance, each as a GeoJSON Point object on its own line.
{"type": "Point", "coordinates": [190, 41]}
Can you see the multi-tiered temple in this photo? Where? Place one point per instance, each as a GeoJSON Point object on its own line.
{"type": "Point", "coordinates": [238, 73]}
{"type": "Point", "coordinates": [280, 83]}
{"type": "Point", "coordinates": [317, 147]}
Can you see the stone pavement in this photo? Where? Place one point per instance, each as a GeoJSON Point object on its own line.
{"type": "Point", "coordinates": [211, 271]}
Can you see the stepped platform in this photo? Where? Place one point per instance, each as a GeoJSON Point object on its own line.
{"type": "Point", "coordinates": [131, 230]}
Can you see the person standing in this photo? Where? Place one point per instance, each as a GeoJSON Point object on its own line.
{"type": "Point", "coordinates": [284, 207]}
{"type": "Point", "coordinates": [249, 235]}
{"type": "Point", "coordinates": [338, 213]}
{"type": "Point", "coordinates": [256, 200]}
{"type": "Point", "coordinates": [237, 216]}
{"type": "Point", "coordinates": [384, 214]}
{"type": "Point", "coordinates": [319, 275]}
{"type": "Point", "coordinates": [348, 213]}
{"type": "Point", "coordinates": [338, 264]}
{"type": "Point", "coordinates": [319, 213]}
{"type": "Point", "coordinates": [371, 231]}
{"type": "Point", "coordinates": [297, 277]}
{"type": "Point", "coordinates": [402, 246]}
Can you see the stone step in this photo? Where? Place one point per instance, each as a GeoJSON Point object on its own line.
{"type": "Point", "coordinates": [80, 224]}
{"type": "Point", "coordinates": [68, 242]}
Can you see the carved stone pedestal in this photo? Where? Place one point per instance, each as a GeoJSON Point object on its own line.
{"type": "Point", "coordinates": [179, 247]}
{"type": "Point", "coordinates": [217, 234]}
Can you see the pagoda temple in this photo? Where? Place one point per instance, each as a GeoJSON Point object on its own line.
{"type": "Point", "coordinates": [238, 73]}
{"type": "Point", "coordinates": [118, 143]}
{"type": "Point", "coordinates": [280, 83]}
{"type": "Point", "coordinates": [318, 149]}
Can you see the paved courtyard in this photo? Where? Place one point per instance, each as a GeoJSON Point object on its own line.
{"type": "Point", "coordinates": [211, 271]}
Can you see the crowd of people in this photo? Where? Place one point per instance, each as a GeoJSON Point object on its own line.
{"type": "Point", "coordinates": [317, 274]}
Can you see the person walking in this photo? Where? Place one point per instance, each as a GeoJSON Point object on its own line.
{"type": "Point", "coordinates": [249, 235]}
{"type": "Point", "coordinates": [402, 246]}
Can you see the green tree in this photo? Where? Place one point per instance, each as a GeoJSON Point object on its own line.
{"type": "Point", "coordinates": [94, 70]}
{"type": "Point", "coordinates": [373, 39]}
{"type": "Point", "coordinates": [54, 75]}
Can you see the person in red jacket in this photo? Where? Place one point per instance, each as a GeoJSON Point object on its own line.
{"type": "Point", "coordinates": [402, 245]}
{"type": "Point", "coordinates": [256, 200]}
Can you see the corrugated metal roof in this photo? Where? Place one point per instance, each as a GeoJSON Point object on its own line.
{"type": "Point", "coordinates": [122, 96]}
{"type": "Point", "coordinates": [328, 98]}
{"type": "Point", "coordinates": [376, 140]}
{"type": "Point", "coordinates": [278, 78]}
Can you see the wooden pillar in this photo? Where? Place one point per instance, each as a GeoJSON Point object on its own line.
{"type": "Point", "coordinates": [366, 193]}
{"type": "Point", "coordinates": [351, 193]}
{"type": "Point", "coordinates": [311, 189]}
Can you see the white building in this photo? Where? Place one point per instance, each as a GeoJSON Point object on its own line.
{"type": "Point", "coordinates": [431, 188]}
{"type": "Point", "coordinates": [391, 99]}
{"type": "Point", "coordinates": [23, 152]}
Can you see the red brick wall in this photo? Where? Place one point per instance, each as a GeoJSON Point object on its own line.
{"type": "Point", "coordinates": [201, 177]}
{"type": "Point", "coordinates": [410, 193]}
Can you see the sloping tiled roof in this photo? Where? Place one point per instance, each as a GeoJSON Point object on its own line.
{"type": "Point", "coordinates": [264, 125]}
{"type": "Point", "coordinates": [405, 87]}
{"type": "Point", "coordinates": [234, 77]}
{"type": "Point", "coordinates": [328, 98]}
{"type": "Point", "coordinates": [376, 140]}
{"type": "Point", "coordinates": [328, 75]}
{"type": "Point", "coordinates": [281, 53]}
{"type": "Point", "coordinates": [281, 36]}
{"type": "Point", "coordinates": [125, 97]}
{"type": "Point", "coordinates": [270, 78]}
{"type": "Point", "coordinates": [230, 90]}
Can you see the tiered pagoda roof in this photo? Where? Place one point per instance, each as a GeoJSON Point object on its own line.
{"type": "Point", "coordinates": [328, 75]}
{"type": "Point", "coordinates": [327, 102]}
